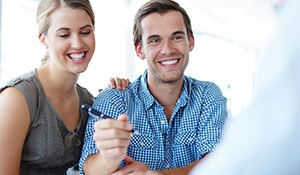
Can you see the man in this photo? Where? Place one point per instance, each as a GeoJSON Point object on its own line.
{"type": "Point", "coordinates": [177, 119]}
{"type": "Point", "coordinates": [265, 139]}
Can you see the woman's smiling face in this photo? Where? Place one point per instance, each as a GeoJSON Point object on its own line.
{"type": "Point", "coordinates": [70, 39]}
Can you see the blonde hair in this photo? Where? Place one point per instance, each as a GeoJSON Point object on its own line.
{"type": "Point", "coordinates": [46, 7]}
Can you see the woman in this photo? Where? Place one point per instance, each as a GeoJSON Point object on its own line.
{"type": "Point", "coordinates": [41, 123]}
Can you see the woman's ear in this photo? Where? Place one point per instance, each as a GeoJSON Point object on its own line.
{"type": "Point", "coordinates": [43, 40]}
{"type": "Point", "coordinates": [139, 51]}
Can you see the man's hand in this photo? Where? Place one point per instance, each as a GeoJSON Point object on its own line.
{"type": "Point", "coordinates": [132, 167]}
{"type": "Point", "coordinates": [112, 137]}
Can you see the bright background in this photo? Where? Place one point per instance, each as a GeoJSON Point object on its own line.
{"type": "Point", "coordinates": [230, 37]}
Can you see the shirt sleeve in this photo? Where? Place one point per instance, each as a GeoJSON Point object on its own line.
{"type": "Point", "coordinates": [89, 147]}
{"type": "Point", "coordinates": [214, 115]}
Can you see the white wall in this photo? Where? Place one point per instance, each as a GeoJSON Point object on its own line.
{"type": "Point", "coordinates": [230, 37]}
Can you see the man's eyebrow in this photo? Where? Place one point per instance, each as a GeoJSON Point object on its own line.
{"type": "Point", "coordinates": [178, 32]}
{"type": "Point", "coordinates": [174, 33]}
{"type": "Point", "coordinates": [153, 36]}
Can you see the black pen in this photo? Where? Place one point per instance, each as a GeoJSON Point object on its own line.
{"type": "Point", "coordinates": [94, 112]}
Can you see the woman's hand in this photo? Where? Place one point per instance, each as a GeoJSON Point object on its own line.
{"type": "Point", "coordinates": [119, 83]}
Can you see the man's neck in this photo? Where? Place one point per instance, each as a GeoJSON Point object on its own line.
{"type": "Point", "coordinates": [166, 94]}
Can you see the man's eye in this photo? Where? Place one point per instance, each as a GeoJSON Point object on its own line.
{"type": "Point", "coordinates": [177, 37]}
{"type": "Point", "coordinates": [153, 41]}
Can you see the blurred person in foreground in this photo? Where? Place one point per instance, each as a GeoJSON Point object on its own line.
{"type": "Point", "coordinates": [179, 119]}
{"type": "Point", "coordinates": [265, 138]}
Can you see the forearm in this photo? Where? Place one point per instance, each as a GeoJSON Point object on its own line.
{"type": "Point", "coordinates": [182, 171]}
{"type": "Point", "coordinates": [112, 138]}
{"type": "Point", "coordinates": [95, 164]}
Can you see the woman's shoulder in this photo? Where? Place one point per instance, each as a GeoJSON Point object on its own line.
{"type": "Point", "coordinates": [26, 87]}
{"type": "Point", "coordinates": [25, 81]}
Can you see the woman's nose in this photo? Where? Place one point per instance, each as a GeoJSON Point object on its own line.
{"type": "Point", "coordinates": [76, 42]}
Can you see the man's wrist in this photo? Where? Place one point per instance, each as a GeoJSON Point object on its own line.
{"type": "Point", "coordinates": [154, 172]}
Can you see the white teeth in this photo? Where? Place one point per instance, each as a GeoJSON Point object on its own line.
{"type": "Point", "coordinates": [169, 62]}
{"type": "Point", "coordinates": [76, 57]}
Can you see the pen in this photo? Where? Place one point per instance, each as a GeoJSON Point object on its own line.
{"type": "Point", "coordinates": [94, 112]}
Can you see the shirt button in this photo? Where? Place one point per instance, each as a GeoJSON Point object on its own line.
{"type": "Point", "coordinates": [190, 139]}
{"type": "Point", "coordinates": [162, 122]}
{"type": "Point", "coordinates": [168, 166]}
{"type": "Point", "coordinates": [142, 143]}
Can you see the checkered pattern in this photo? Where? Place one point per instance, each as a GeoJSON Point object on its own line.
{"type": "Point", "coordinates": [194, 129]}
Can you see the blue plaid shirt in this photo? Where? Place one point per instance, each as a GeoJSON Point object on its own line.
{"type": "Point", "coordinates": [194, 129]}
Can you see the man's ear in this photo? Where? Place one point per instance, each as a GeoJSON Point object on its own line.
{"type": "Point", "coordinates": [191, 41]}
{"type": "Point", "coordinates": [139, 50]}
{"type": "Point", "coordinates": [42, 39]}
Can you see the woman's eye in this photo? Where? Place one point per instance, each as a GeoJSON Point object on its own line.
{"type": "Point", "coordinates": [63, 35]}
{"type": "Point", "coordinates": [86, 32]}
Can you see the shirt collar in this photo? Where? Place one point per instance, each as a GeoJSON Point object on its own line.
{"type": "Point", "coordinates": [149, 100]}
{"type": "Point", "coordinates": [184, 94]}
{"type": "Point", "coordinates": [147, 97]}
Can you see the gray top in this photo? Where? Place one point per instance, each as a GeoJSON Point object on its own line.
{"type": "Point", "coordinates": [49, 148]}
